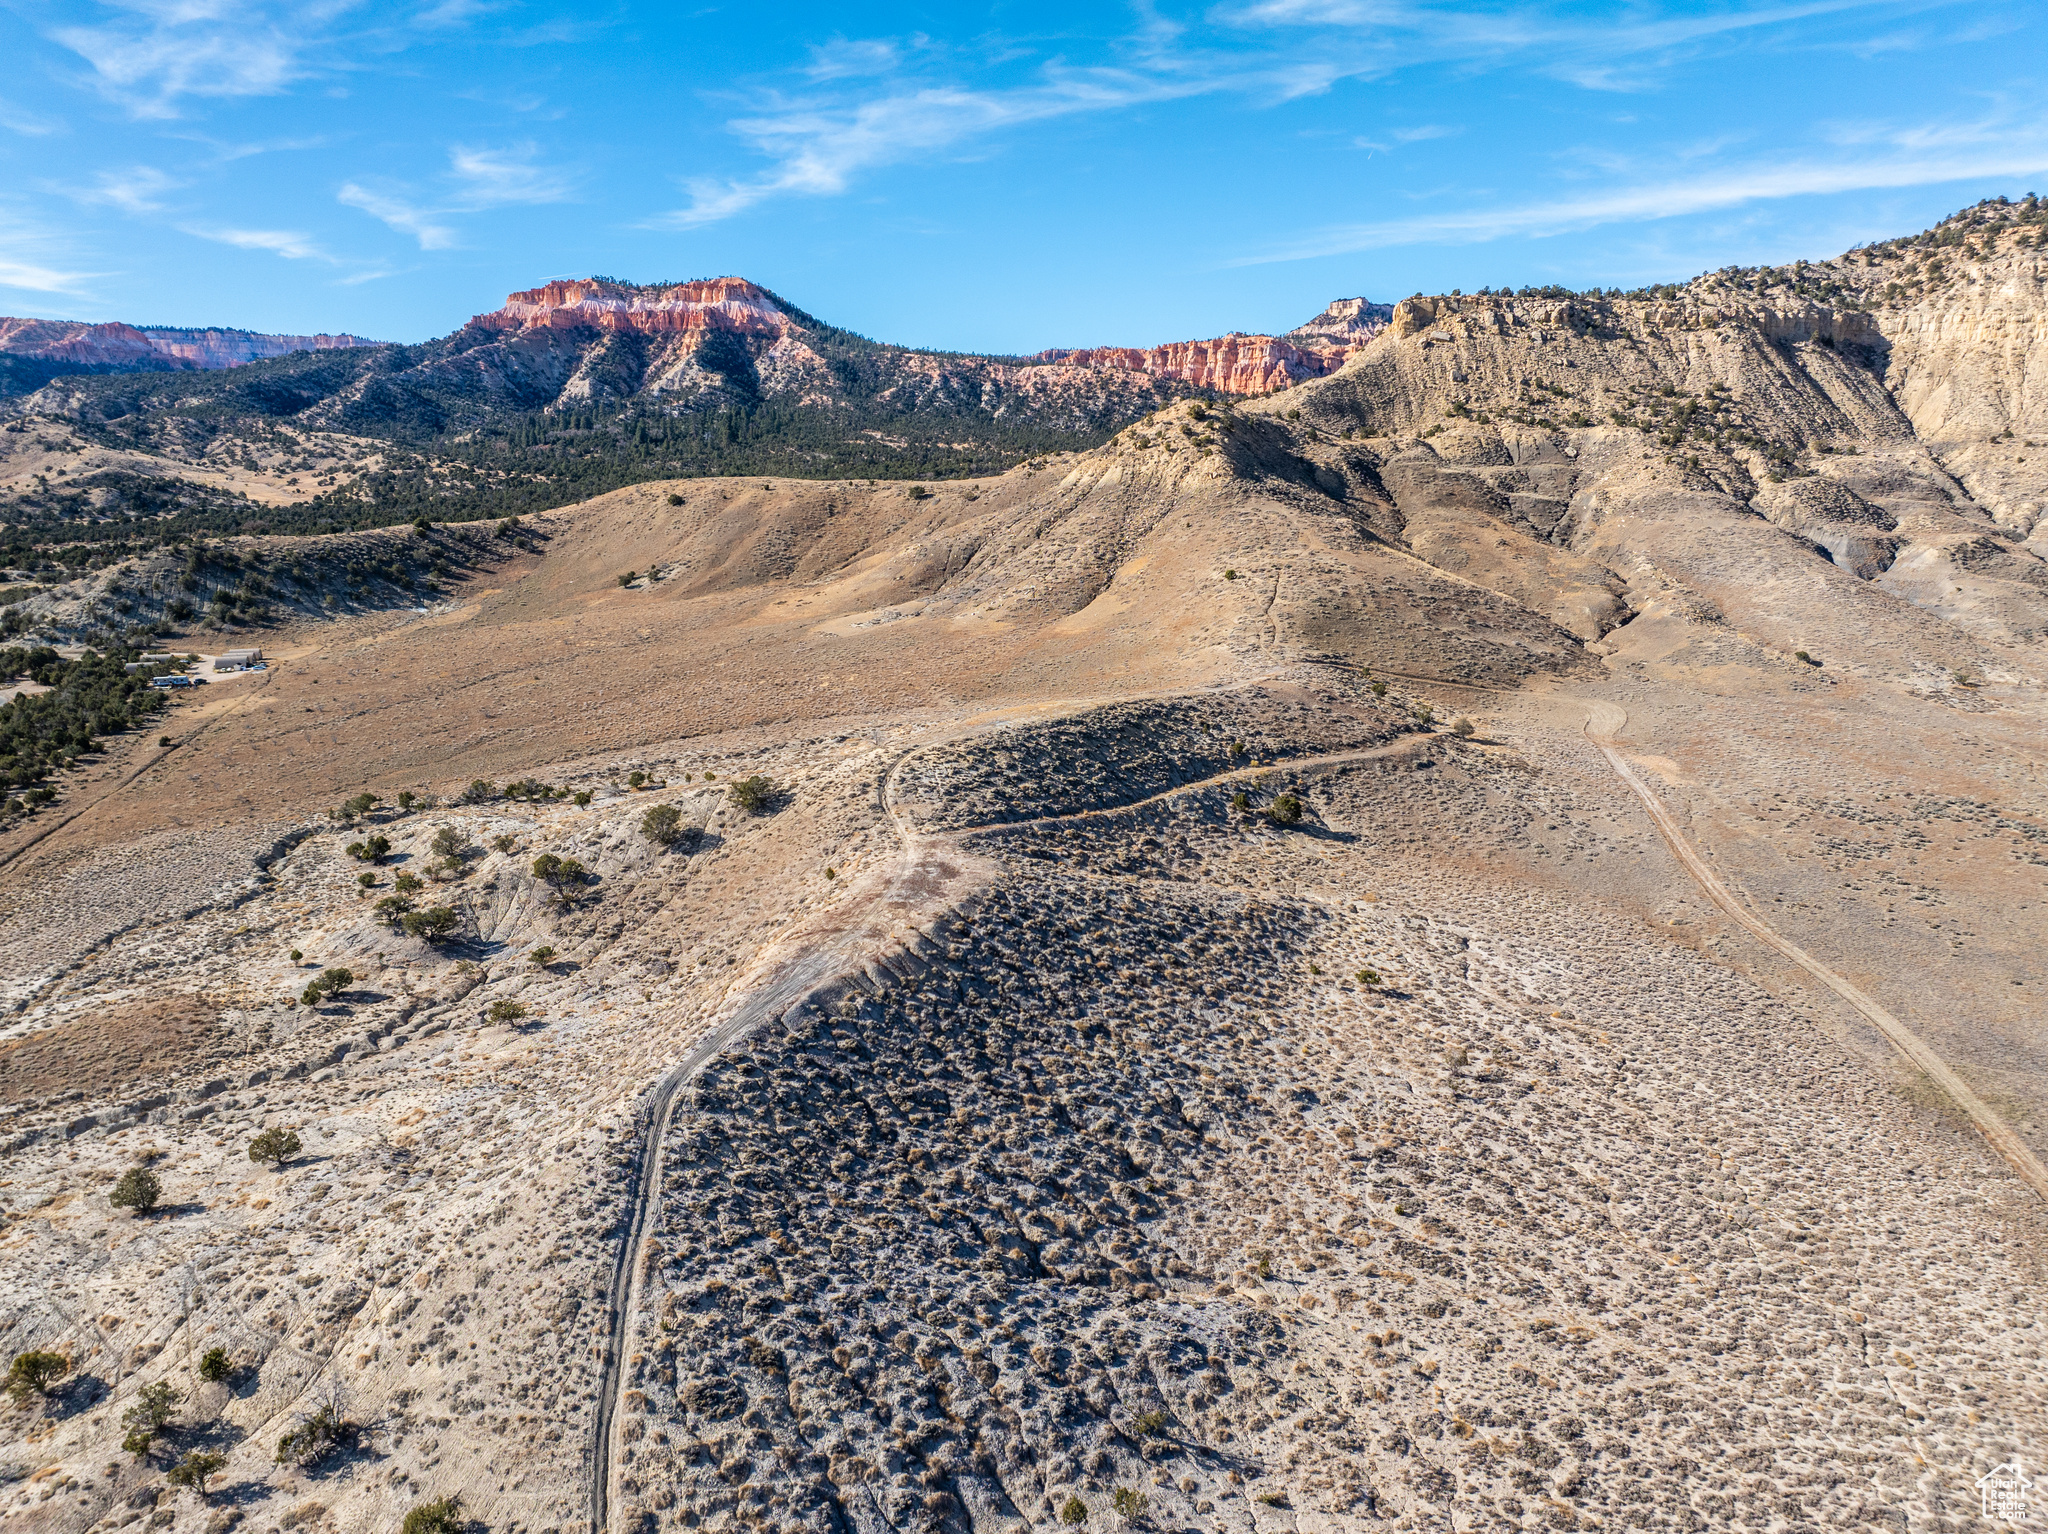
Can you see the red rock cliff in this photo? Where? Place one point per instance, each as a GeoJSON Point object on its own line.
{"type": "Point", "coordinates": [719, 303]}
{"type": "Point", "coordinates": [1247, 364]}
{"type": "Point", "coordinates": [212, 349]}
{"type": "Point", "coordinates": [1232, 364]}
{"type": "Point", "coordinates": [119, 345]}
{"type": "Point", "coordinates": [71, 341]}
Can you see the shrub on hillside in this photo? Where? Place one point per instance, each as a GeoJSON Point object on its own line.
{"type": "Point", "coordinates": [196, 1469]}
{"type": "Point", "coordinates": [155, 1405]}
{"type": "Point", "coordinates": [276, 1146]}
{"type": "Point", "coordinates": [320, 1432]}
{"type": "Point", "coordinates": [444, 1516]}
{"type": "Point", "coordinates": [139, 1189]}
{"type": "Point", "coordinates": [662, 824]}
{"type": "Point", "coordinates": [565, 876]}
{"type": "Point", "coordinates": [753, 794]}
{"type": "Point", "coordinates": [34, 1372]}
{"type": "Point", "coordinates": [329, 982]}
{"type": "Point", "coordinates": [432, 924]}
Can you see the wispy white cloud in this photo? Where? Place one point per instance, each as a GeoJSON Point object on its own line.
{"type": "Point", "coordinates": [18, 119]}
{"type": "Point", "coordinates": [1473, 31]}
{"type": "Point", "coordinates": [226, 153]}
{"type": "Point", "coordinates": [457, 13]}
{"type": "Point", "coordinates": [478, 179]}
{"type": "Point", "coordinates": [135, 190]}
{"type": "Point", "coordinates": [1416, 135]}
{"type": "Point", "coordinates": [289, 243]}
{"type": "Point", "coordinates": [421, 223]}
{"type": "Point", "coordinates": [150, 56]}
{"type": "Point", "coordinates": [498, 178]}
{"type": "Point", "coordinates": [36, 257]}
{"type": "Point", "coordinates": [841, 58]}
{"type": "Point", "coordinates": [151, 53]}
{"type": "Point", "coordinates": [819, 147]}
{"type": "Point", "coordinates": [43, 279]}
{"type": "Point", "coordinates": [1904, 157]}
{"type": "Point", "coordinates": [874, 103]}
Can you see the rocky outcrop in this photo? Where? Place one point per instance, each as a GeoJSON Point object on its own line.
{"type": "Point", "coordinates": [114, 345]}
{"type": "Point", "coordinates": [1246, 364]}
{"type": "Point", "coordinates": [1972, 363]}
{"type": "Point", "coordinates": [1656, 430]}
{"type": "Point", "coordinates": [1352, 321]}
{"type": "Point", "coordinates": [1232, 364]}
{"type": "Point", "coordinates": [1853, 532]}
{"type": "Point", "coordinates": [210, 349]}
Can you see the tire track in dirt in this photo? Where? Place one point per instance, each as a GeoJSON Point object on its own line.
{"type": "Point", "coordinates": [1604, 724]}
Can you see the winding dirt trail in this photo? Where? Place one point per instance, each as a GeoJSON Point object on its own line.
{"type": "Point", "coordinates": [866, 929]}
{"type": "Point", "coordinates": [934, 875]}
{"type": "Point", "coordinates": [1604, 724]}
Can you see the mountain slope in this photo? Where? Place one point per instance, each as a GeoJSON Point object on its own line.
{"type": "Point", "coordinates": [573, 388]}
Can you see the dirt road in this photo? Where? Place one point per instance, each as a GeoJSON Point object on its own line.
{"type": "Point", "coordinates": [931, 877]}
{"type": "Point", "coordinates": [1604, 724]}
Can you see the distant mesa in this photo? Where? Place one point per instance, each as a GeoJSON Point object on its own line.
{"type": "Point", "coordinates": [680, 317]}
{"type": "Point", "coordinates": [1247, 364]}
{"type": "Point", "coordinates": [730, 304]}
{"type": "Point", "coordinates": [116, 347]}
{"type": "Point", "coordinates": [1232, 364]}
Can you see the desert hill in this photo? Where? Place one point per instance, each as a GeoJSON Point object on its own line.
{"type": "Point", "coordinates": [1129, 1061]}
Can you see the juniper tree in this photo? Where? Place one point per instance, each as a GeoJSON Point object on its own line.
{"type": "Point", "coordinates": [752, 794]}
{"type": "Point", "coordinates": [274, 1145]}
{"type": "Point", "coordinates": [196, 1469]}
{"type": "Point", "coordinates": [432, 924]}
{"type": "Point", "coordinates": [663, 824]}
{"type": "Point", "coordinates": [139, 1189]}
{"type": "Point", "coordinates": [34, 1372]}
{"type": "Point", "coordinates": [445, 1515]}
{"type": "Point", "coordinates": [155, 1405]}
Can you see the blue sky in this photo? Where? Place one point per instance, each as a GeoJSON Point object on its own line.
{"type": "Point", "coordinates": [985, 177]}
